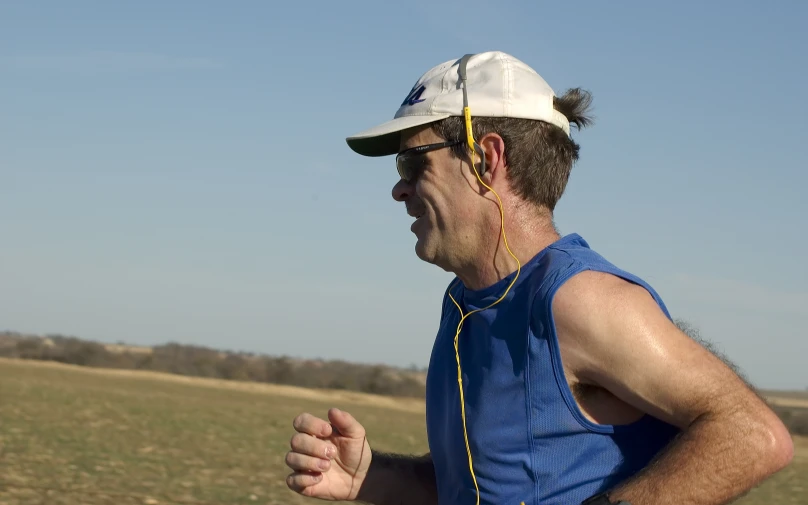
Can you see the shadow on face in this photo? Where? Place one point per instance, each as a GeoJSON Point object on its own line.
{"type": "Point", "coordinates": [438, 190]}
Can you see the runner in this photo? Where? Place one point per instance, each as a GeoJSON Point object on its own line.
{"type": "Point", "coordinates": [576, 386]}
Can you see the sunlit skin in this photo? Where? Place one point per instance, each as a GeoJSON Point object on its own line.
{"type": "Point", "coordinates": [622, 357]}
{"type": "Point", "coordinates": [459, 230]}
{"type": "Point", "coordinates": [460, 227]}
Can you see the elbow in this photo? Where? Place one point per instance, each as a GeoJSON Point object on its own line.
{"type": "Point", "coordinates": [777, 449]}
{"type": "Point", "coordinates": [783, 451]}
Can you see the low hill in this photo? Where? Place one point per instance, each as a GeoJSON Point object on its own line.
{"type": "Point", "coordinates": [199, 361]}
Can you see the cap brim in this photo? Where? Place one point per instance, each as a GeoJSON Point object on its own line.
{"type": "Point", "coordinates": [385, 139]}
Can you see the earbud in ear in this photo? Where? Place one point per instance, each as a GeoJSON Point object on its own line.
{"type": "Point", "coordinates": [481, 165]}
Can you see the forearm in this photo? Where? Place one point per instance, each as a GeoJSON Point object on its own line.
{"type": "Point", "coordinates": [396, 479]}
{"type": "Point", "coordinates": [714, 461]}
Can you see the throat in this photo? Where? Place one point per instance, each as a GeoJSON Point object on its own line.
{"type": "Point", "coordinates": [498, 262]}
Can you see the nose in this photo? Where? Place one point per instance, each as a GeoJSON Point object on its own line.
{"type": "Point", "coordinates": [401, 191]}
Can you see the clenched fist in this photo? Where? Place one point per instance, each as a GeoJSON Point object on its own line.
{"type": "Point", "coordinates": [330, 458]}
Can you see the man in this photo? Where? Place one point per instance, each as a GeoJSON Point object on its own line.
{"type": "Point", "coordinates": [556, 377]}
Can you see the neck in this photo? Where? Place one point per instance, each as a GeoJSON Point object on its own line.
{"type": "Point", "coordinates": [527, 234]}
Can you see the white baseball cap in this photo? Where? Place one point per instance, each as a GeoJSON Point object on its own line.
{"type": "Point", "coordinates": [498, 85]}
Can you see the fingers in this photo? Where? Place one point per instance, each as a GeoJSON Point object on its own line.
{"type": "Point", "coordinates": [308, 458]}
{"type": "Point", "coordinates": [301, 481]}
{"type": "Point", "coordinates": [313, 451]}
{"type": "Point", "coordinates": [301, 462]}
{"type": "Point", "coordinates": [314, 426]}
{"type": "Point", "coordinates": [346, 424]}
{"type": "Point", "coordinates": [311, 446]}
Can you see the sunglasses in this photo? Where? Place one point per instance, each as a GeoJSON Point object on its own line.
{"type": "Point", "coordinates": [411, 162]}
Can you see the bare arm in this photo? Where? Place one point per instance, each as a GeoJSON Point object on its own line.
{"type": "Point", "coordinates": [615, 336]}
{"type": "Point", "coordinates": [396, 479]}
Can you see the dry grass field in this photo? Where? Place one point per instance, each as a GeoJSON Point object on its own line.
{"type": "Point", "coordinates": [72, 435]}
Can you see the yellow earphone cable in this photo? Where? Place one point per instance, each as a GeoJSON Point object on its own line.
{"type": "Point", "coordinates": [470, 140]}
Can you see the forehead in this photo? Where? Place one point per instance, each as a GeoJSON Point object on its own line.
{"type": "Point", "coordinates": [418, 136]}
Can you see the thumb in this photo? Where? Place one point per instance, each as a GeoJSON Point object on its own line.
{"type": "Point", "coordinates": [345, 424]}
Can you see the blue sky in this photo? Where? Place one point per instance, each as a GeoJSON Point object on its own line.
{"type": "Point", "coordinates": [177, 171]}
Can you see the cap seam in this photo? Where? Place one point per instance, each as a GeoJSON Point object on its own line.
{"type": "Point", "coordinates": [509, 85]}
{"type": "Point", "coordinates": [443, 88]}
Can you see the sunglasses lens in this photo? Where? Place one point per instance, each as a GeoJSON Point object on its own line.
{"type": "Point", "coordinates": [409, 166]}
{"type": "Point", "coordinates": [401, 166]}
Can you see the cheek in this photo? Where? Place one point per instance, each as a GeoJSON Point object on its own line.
{"type": "Point", "coordinates": [441, 195]}
{"type": "Point", "coordinates": [430, 194]}
{"type": "Point", "coordinates": [425, 187]}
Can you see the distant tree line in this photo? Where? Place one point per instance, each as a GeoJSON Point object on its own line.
{"type": "Point", "coordinates": [201, 361]}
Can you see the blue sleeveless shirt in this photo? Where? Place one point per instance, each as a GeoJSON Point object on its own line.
{"type": "Point", "coordinates": [529, 441]}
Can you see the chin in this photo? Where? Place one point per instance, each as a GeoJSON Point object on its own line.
{"type": "Point", "coordinates": [423, 251]}
{"type": "Point", "coordinates": [420, 250]}
{"type": "Point", "coordinates": [428, 253]}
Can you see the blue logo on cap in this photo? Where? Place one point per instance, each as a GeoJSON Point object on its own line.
{"type": "Point", "coordinates": [414, 96]}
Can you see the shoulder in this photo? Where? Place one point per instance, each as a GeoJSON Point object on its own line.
{"type": "Point", "coordinates": [602, 319]}
{"type": "Point", "coordinates": [571, 266]}
{"type": "Point", "coordinates": [615, 335]}
{"type": "Point", "coordinates": [591, 294]}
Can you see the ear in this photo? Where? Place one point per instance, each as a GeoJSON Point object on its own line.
{"type": "Point", "coordinates": [494, 148]}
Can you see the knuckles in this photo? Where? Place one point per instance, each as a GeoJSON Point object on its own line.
{"type": "Point", "coordinates": [298, 421]}
{"type": "Point", "coordinates": [299, 482]}
{"type": "Point", "coordinates": [297, 441]}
